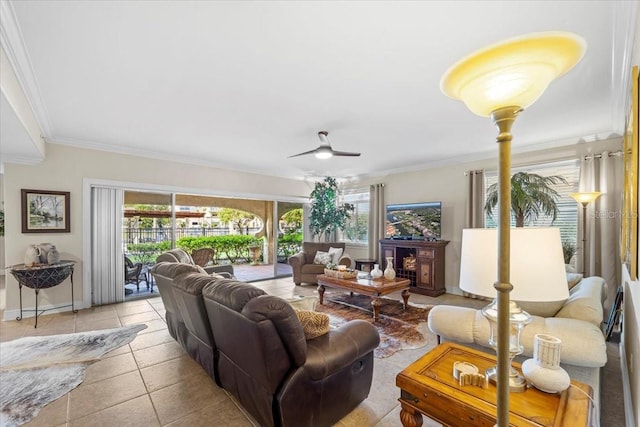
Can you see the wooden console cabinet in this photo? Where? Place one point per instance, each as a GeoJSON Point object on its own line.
{"type": "Point", "coordinates": [427, 273]}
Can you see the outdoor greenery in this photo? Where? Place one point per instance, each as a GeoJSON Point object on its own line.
{"type": "Point", "coordinates": [289, 244]}
{"type": "Point", "coordinates": [326, 215]}
{"type": "Point", "coordinates": [531, 196]}
{"type": "Point", "coordinates": [233, 247]}
{"type": "Point", "coordinates": [146, 253]}
{"type": "Point", "coordinates": [239, 219]}
{"type": "Point", "coordinates": [354, 230]}
{"type": "Point", "coordinates": [293, 220]}
{"type": "Point", "coordinates": [1, 223]}
{"type": "Point", "coordinates": [568, 251]}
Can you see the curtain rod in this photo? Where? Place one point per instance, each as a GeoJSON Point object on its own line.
{"type": "Point", "coordinates": [599, 156]}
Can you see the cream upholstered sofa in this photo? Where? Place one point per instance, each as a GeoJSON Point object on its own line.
{"type": "Point", "coordinates": [577, 323]}
{"type": "Point", "coordinates": [302, 264]}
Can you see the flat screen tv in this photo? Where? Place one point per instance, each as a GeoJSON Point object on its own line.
{"type": "Point", "coordinates": [413, 221]}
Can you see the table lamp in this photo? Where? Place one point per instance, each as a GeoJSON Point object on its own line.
{"type": "Point", "coordinates": [537, 271]}
{"type": "Point", "coordinates": [584, 199]}
{"type": "Point", "coordinates": [499, 82]}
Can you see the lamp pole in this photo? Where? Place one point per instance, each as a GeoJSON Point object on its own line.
{"type": "Point", "coordinates": [584, 198]}
{"type": "Point", "coordinates": [503, 118]}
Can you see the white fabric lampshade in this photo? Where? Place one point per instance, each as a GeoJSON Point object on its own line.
{"type": "Point", "coordinates": [537, 263]}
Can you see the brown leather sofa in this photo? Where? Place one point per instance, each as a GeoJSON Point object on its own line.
{"type": "Point", "coordinates": [254, 346]}
{"type": "Point", "coordinates": [179, 255]}
{"type": "Point", "coordinates": [302, 266]}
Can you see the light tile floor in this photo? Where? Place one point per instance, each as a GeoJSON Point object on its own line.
{"type": "Point", "coordinates": [152, 382]}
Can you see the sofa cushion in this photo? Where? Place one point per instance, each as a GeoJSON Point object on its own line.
{"type": "Point", "coordinates": [585, 301]}
{"type": "Point", "coordinates": [312, 269]}
{"type": "Point", "coordinates": [314, 324]}
{"type": "Point", "coordinates": [542, 309]}
{"type": "Point", "coordinates": [336, 254]}
{"type": "Point", "coordinates": [573, 279]}
{"type": "Point", "coordinates": [322, 258]}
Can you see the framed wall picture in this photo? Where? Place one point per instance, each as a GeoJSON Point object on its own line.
{"type": "Point", "coordinates": [45, 211]}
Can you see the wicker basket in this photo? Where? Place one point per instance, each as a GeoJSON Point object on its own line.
{"type": "Point", "coordinates": [341, 274]}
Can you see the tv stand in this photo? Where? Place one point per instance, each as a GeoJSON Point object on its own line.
{"type": "Point", "coordinates": [427, 273]}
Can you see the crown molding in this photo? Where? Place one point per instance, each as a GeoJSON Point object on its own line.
{"type": "Point", "coordinates": [14, 47]}
{"type": "Point", "coordinates": [20, 160]}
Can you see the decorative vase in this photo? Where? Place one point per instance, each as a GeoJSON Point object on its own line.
{"type": "Point", "coordinates": [389, 272]}
{"type": "Point", "coordinates": [44, 250]}
{"type": "Point", "coordinates": [32, 256]}
{"type": "Point", "coordinates": [53, 256]}
{"type": "Point", "coordinates": [376, 273]}
{"type": "Point", "coordinates": [544, 371]}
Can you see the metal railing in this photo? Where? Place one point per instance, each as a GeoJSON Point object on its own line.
{"type": "Point", "coordinates": [160, 234]}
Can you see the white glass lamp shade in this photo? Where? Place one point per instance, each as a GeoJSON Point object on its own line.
{"type": "Point", "coordinates": [514, 72]}
{"type": "Point", "coordinates": [537, 264]}
{"type": "Point", "coordinates": [323, 153]}
{"type": "Point", "coordinates": [585, 197]}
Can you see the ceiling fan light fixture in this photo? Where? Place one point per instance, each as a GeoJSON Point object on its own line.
{"type": "Point", "coordinates": [323, 153]}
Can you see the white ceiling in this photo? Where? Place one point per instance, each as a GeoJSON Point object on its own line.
{"type": "Point", "coordinates": [244, 85]}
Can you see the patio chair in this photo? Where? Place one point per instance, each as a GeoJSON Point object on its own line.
{"type": "Point", "coordinates": [133, 273]}
{"type": "Point", "coordinates": [202, 256]}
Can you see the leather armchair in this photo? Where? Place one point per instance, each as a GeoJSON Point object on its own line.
{"type": "Point", "coordinates": [179, 255]}
{"type": "Point", "coordinates": [280, 378]}
{"type": "Point", "coordinates": [302, 266]}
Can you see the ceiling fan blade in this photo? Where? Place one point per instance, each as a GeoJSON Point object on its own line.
{"type": "Point", "coordinates": [345, 154]}
{"type": "Point", "coordinates": [304, 154]}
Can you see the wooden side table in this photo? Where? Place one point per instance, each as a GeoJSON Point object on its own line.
{"type": "Point", "coordinates": [428, 387]}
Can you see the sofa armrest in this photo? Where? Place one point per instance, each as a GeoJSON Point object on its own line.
{"type": "Point", "coordinates": [583, 344]}
{"type": "Point", "coordinates": [331, 352]}
{"type": "Point", "coordinates": [297, 260]}
{"type": "Point", "coordinates": [223, 270]}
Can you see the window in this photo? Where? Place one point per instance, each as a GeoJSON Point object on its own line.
{"type": "Point", "coordinates": [357, 229]}
{"type": "Point", "coordinates": [567, 219]}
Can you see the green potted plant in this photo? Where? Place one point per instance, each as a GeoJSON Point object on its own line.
{"type": "Point", "coordinates": [531, 195]}
{"type": "Point", "coordinates": [326, 215]}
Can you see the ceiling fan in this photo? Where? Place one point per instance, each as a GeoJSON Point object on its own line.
{"type": "Point", "coordinates": [324, 151]}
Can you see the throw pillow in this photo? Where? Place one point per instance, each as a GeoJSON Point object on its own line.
{"type": "Point", "coordinates": [573, 279]}
{"type": "Point", "coordinates": [336, 254]}
{"type": "Point", "coordinates": [322, 258]}
{"type": "Point", "coordinates": [314, 324]}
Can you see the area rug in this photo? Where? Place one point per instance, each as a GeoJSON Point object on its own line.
{"type": "Point", "coordinates": [35, 371]}
{"type": "Point", "coordinates": [398, 328]}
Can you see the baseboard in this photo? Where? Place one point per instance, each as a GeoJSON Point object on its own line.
{"type": "Point", "coordinates": [48, 309]}
{"type": "Point", "coordinates": [626, 387]}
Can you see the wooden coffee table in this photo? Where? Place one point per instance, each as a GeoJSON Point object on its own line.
{"type": "Point", "coordinates": [428, 387]}
{"type": "Point", "coordinates": [372, 287]}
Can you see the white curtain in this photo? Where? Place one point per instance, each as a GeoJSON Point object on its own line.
{"type": "Point", "coordinates": [107, 259]}
{"type": "Point", "coordinates": [604, 173]}
{"type": "Point", "coordinates": [475, 200]}
{"type": "Point", "coordinates": [474, 212]}
{"type": "Point", "coordinates": [376, 219]}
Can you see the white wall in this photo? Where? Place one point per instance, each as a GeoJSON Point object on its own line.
{"type": "Point", "coordinates": [65, 168]}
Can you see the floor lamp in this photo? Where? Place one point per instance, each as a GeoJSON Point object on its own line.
{"type": "Point", "coordinates": [584, 199]}
{"type": "Point", "coordinates": [499, 82]}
